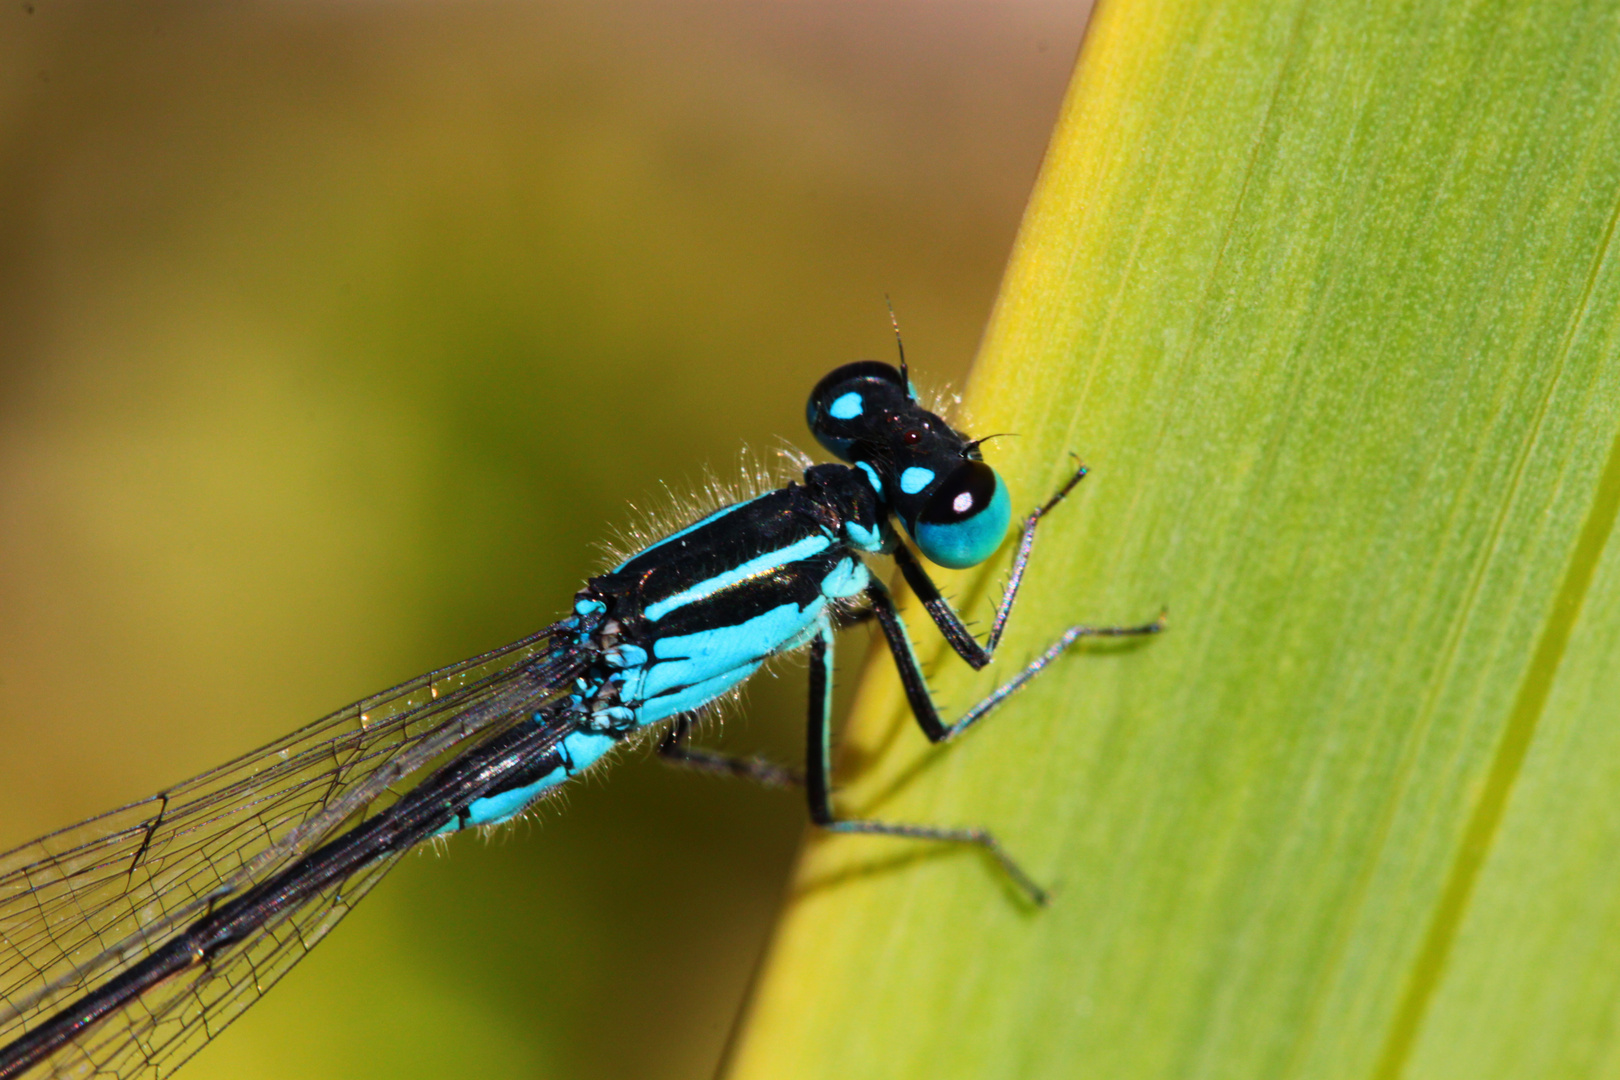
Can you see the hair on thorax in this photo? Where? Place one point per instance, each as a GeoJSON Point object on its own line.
{"type": "Point", "coordinates": [675, 507]}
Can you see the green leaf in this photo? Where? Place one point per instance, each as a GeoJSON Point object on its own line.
{"type": "Point", "coordinates": [1324, 293]}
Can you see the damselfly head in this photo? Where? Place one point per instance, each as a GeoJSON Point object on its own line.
{"type": "Point", "coordinates": [927, 473]}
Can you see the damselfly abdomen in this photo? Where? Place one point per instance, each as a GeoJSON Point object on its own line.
{"type": "Point", "coordinates": [130, 940]}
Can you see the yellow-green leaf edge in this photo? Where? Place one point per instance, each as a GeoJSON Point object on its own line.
{"type": "Point", "coordinates": [1325, 293]}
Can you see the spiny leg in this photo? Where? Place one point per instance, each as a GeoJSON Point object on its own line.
{"type": "Point", "coordinates": [674, 750]}
{"type": "Point", "coordinates": [818, 780]}
{"type": "Point", "coordinates": [916, 683]}
{"type": "Point", "coordinates": [950, 623]}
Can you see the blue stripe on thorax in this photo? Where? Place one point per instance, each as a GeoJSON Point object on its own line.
{"type": "Point", "coordinates": [716, 516]}
{"type": "Point", "coordinates": [724, 653]}
{"type": "Point", "coordinates": [687, 671]}
{"type": "Point", "coordinates": [759, 564]}
{"type": "Point", "coordinates": [684, 673]}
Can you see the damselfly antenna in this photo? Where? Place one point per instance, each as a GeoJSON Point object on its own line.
{"type": "Point", "coordinates": [905, 374]}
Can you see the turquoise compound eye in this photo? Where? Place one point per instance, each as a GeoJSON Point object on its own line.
{"type": "Point", "coordinates": [964, 521]}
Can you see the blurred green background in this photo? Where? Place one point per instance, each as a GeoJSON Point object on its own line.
{"type": "Point", "coordinates": [333, 336]}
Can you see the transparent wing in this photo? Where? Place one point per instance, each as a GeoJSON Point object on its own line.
{"type": "Point", "coordinates": [156, 1033]}
{"type": "Point", "coordinates": [80, 904]}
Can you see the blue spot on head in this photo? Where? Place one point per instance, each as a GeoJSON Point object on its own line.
{"type": "Point", "coordinates": [846, 407]}
{"type": "Point", "coordinates": [960, 544]}
{"type": "Point", "coordinates": [871, 474]}
{"type": "Point", "coordinates": [915, 479]}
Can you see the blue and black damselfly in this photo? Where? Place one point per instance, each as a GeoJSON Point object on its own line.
{"type": "Point", "coordinates": [130, 940]}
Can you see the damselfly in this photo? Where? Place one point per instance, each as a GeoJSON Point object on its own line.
{"type": "Point", "coordinates": [130, 940]}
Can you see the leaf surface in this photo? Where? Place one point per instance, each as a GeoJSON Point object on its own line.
{"type": "Point", "coordinates": [1325, 293]}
